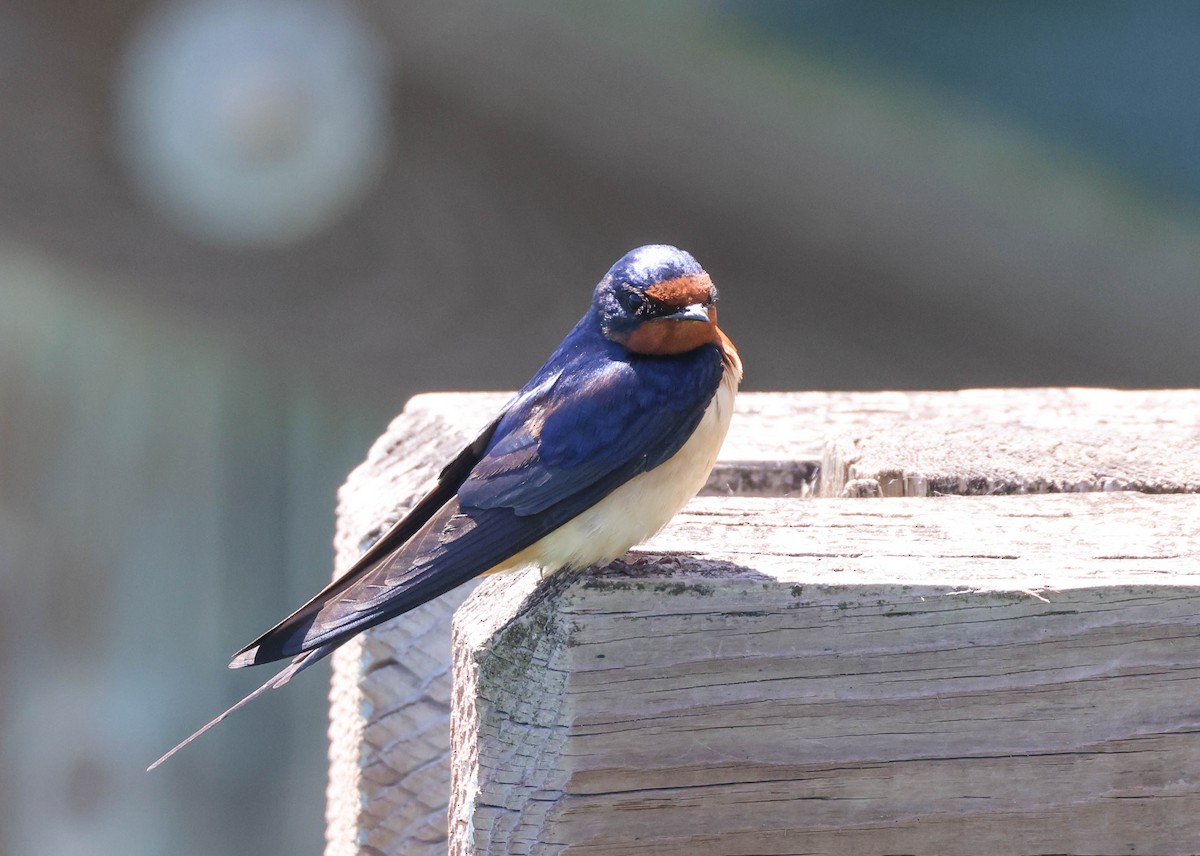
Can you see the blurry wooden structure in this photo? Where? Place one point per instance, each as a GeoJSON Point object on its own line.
{"type": "Point", "coordinates": [1000, 657]}
{"type": "Point", "coordinates": [536, 144]}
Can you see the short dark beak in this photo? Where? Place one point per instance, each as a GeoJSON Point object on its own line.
{"type": "Point", "coordinates": [695, 312]}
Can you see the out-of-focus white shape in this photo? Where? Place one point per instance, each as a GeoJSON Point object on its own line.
{"type": "Point", "coordinates": [253, 124]}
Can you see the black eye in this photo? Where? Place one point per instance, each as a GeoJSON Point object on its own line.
{"type": "Point", "coordinates": [631, 301]}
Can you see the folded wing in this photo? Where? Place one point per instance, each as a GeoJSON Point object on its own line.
{"type": "Point", "coordinates": [564, 443]}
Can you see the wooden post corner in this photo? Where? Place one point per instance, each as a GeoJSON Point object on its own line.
{"type": "Point", "coordinates": [999, 656]}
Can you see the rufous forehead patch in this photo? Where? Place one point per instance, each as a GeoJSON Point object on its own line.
{"type": "Point", "coordinates": [682, 290]}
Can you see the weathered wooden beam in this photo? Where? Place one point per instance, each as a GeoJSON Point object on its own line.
{"type": "Point", "coordinates": [965, 674]}
{"type": "Point", "coordinates": [1002, 441]}
{"type": "Point", "coordinates": [390, 772]}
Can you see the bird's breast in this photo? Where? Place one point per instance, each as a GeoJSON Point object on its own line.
{"type": "Point", "coordinates": [643, 505]}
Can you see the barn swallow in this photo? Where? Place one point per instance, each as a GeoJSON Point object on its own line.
{"type": "Point", "coordinates": [595, 454]}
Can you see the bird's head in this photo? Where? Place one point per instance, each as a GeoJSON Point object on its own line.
{"type": "Point", "coordinates": [657, 300]}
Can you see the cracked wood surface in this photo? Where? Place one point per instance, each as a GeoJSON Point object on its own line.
{"type": "Point", "coordinates": [959, 674]}
{"type": "Point", "coordinates": [391, 694]}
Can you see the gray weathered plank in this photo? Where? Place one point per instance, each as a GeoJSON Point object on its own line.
{"type": "Point", "coordinates": [996, 441]}
{"type": "Point", "coordinates": [962, 674]}
{"type": "Point", "coordinates": [391, 689]}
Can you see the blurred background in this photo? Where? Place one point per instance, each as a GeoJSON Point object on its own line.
{"type": "Point", "coordinates": [236, 237]}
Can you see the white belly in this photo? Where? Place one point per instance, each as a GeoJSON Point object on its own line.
{"type": "Point", "coordinates": [643, 505]}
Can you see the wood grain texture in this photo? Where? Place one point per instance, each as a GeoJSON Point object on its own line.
{"type": "Point", "coordinates": [978, 674]}
{"type": "Point", "coordinates": [390, 701]}
{"type": "Point", "coordinates": [390, 691]}
{"type": "Point", "coordinates": [999, 441]}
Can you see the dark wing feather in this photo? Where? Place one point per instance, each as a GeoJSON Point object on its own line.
{"type": "Point", "coordinates": [635, 412]}
{"type": "Point", "coordinates": [561, 446]}
{"type": "Point", "coordinates": [268, 646]}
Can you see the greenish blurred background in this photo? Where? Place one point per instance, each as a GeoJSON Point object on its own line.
{"type": "Point", "coordinates": [235, 238]}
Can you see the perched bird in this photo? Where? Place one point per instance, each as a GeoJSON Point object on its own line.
{"type": "Point", "coordinates": [596, 453]}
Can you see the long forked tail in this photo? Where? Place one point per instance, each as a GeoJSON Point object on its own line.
{"type": "Point", "coordinates": [294, 668]}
